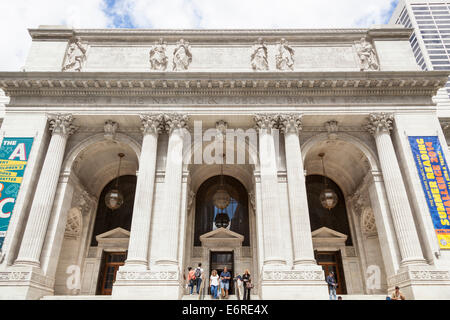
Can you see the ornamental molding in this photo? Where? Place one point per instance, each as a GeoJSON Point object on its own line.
{"type": "Point", "coordinates": [290, 123]}
{"type": "Point", "coordinates": [152, 123]}
{"type": "Point", "coordinates": [147, 275]}
{"type": "Point", "coordinates": [86, 84]}
{"type": "Point", "coordinates": [7, 277]}
{"type": "Point", "coordinates": [439, 276]}
{"type": "Point", "coordinates": [110, 129]}
{"type": "Point", "coordinates": [293, 275]}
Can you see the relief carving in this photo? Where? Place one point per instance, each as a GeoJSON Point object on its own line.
{"type": "Point", "coordinates": [182, 56]}
{"type": "Point", "coordinates": [285, 57]}
{"type": "Point", "coordinates": [158, 58]}
{"type": "Point", "coordinates": [259, 56]}
{"type": "Point", "coordinates": [367, 56]}
{"type": "Point", "coordinates": [76, 55]}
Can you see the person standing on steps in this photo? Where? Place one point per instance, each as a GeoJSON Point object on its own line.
{"type": "Point", "coordinates": [198, 277]}
{"type": "Point", "coordinates": [247, 284]}
{"type": "Point", "coordinates": [225, 277]}
{"type": "Point", "coordinates": [214, 284]}
{"type": "Point", "coordinates": [191, 279]}
{"type": "Point", "coordinates": [332, 285]}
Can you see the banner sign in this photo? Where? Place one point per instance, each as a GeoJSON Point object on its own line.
{"type": "Point", "coordinates": [434, 175]}
{"type": "Point", "coordinates": [14, 154]}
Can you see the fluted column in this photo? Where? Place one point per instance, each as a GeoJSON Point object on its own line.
{"type": "Point", "coordinates": [290, 125]}
{"type": "Point", "coordinates": [143, 200]}
{"type": "Point", "coordinates": [175, 125]}
{"type": "Point", "coordinates": [273, 245]}
{"type": "Point", "coordinates": [380, 125]}
{"type": "Point", "coordinates": [38, 219]}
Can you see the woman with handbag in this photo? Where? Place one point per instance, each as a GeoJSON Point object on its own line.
{"type": "Point", "coordinates": [247, 284]}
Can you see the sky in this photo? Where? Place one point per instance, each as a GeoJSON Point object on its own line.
{"type": "Point", "coordinates": [19, 15]}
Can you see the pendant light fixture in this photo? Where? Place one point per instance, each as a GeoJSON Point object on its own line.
{"type": "Point", "coordinates": [221, 200]}
{"type": "Point", "coordinates": [114, 199]}
{"type": "Point", "coordinates": [328, 197]}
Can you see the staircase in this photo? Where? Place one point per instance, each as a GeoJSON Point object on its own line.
{"type": "Point", "coordinates": [208, 297]}
{"type": "Point", "coordinates": [363, 296]}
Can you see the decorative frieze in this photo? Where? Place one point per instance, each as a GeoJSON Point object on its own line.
{"type": "Point", "coordinates": [293, 275]}
{"type": "Point", "coordinates": [147, 275]}
{"type": "Point", "coordinates": [418, 276]}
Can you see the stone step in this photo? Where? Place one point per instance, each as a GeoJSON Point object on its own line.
{"type": "Point", "coordinates": [363, 296]}
{"type": "Point", "coordinates": [76, 298]}
{"type": "Point", "coordinates": [208, 297]}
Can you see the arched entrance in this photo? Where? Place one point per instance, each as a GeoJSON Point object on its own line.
{"type": "Point", "coordinates": [340, 240]}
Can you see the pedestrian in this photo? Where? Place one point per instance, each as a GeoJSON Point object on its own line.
{"type": "Point", "coordinates": [397, 295]}
{"type": "Point", "coordinates": [225, 277]}
{"type": "Point", "coordinates": [214, 284]}
{"type": "Point", "coordinates": [247, 284]}
{"type": "Point", "coordinates": [191, 279]}
{"type": "Point", "coordinates": [332, 285]}
{"type": "Point", "coordinates": [239, 286]}
{"type": "Point", "coordinates": [198, 277]}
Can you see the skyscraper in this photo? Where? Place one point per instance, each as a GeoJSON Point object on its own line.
{"type": "Point", "coordinates": [430, 40]}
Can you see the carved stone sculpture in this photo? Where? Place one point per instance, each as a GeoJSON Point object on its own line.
{"type": "Point", "coordinates": [110, 129]}
{"type": "Point", "coordinates": [367, 56]}
{"type": "Point", "coordinates": [182, 56]}
{"type": "Point", "coordinates": [285, 57]}
{"type": "Point", "coordinates": [158, 58]}
{"type": "Point", "coordinates": [76, 55]}
{"type": "Point", "coordinates": [259, 56]}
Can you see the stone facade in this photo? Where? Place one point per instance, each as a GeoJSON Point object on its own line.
{"type": "Point", "coordinates": [354, 94]}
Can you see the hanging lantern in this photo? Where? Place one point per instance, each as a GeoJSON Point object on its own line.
{"type": "Point", "coordinates": [114, 199]}
{"type": "Point", "coordinates": [328, 198]}
{"type": "Point", "coordinates": [221, 199]}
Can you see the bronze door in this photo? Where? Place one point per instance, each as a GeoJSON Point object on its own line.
{"type": "Point", "coordinates": [219, 260]}
{"type": "Point", "coordinates": [111, 263]}
{"type": "Point", "coordinates": [331, 261]}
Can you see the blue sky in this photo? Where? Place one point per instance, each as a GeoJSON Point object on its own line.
{"type": "Point", "coordinates": [19, 15]}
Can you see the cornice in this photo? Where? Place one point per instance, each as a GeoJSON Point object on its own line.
{"type": "Point", "coordinates": [423, 83]}
{"type": "Point", "coordinates": [220, 35]}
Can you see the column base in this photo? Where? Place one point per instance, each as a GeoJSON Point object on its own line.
{"type": "Point", "coordinates": [147, 285]}
{"type": "Point", "coordinates": [421, 283]}
{"type": "Point", "coordinates": [24, 283]}
{"type": "Point", "coordinates": [306, 282]}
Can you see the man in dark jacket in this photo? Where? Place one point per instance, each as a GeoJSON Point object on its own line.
{"type": "Point", "coordinates": [332, 285]}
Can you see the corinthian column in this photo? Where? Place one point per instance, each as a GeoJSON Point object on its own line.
{"type": "Point", "coordinates": [36, 228]}
{"type": "Point", "coordinates": [175, 124]}
{"type": "Point", "coordinates": [273, 245]}
{"type": "Point", "coordinates": [380, 126]}
{"type": "Point", "coordinates": [143, 200]}
{"type": "Point", "coordinates": [290, 125]}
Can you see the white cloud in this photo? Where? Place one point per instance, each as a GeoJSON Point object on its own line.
{"type": "Point", "coordinates": [255, 13]}
{"type": "Point", "coordinates": [19, 15]}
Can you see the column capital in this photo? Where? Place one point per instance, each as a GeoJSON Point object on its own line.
{"type": "Point", "coordinates": [380, 122]}
{"type": "Point", "coordinates": [174, 121]}
{"type": "Point", "coordinates": [290, 123]}
{"type": "Point", "coordinates": [62, 124]}
{"type": "Point", "coordinates": [266, 121]}
{"type": "Point", "coordinates": [152, 123]}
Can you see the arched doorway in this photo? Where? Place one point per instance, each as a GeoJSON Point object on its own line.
{"type": "Point", "coordinates": [110, 224]}
{"type": "Point", "coordinates": [335, 219]}
{"type": "Point", "coordinates": [223, 247]}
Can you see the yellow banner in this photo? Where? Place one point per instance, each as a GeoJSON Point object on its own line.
{"type": "Point", "coordinates": [11, 162]}
{"type": "Point", "coordinates": [11, 179]}
{"type": "Point", "coordinates": [12, 167]}
{"type": "Point", "coordinates": [7, 173]}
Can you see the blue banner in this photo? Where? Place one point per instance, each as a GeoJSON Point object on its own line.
{"type": "Point", "coordinates": [14, 153]}
{"type": "Point", "coordinates": [434, 175]}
